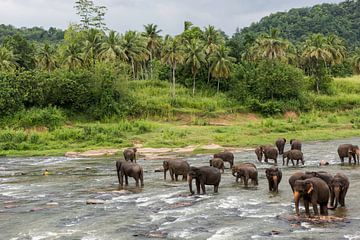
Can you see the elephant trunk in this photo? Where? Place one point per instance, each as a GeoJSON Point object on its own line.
{"type": "Point", "coordinates": [164, 174]}
{"type": "Point", "coordinates": [337, 197]}
{"type": "Point", "coordinates": [276, 182]}
{"type": "Point", "coordinates": [189, 179]}
{"type": "Point", "coordinates": [296, 200]}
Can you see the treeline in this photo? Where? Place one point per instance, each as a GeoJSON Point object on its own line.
{"type": "Point", "coordinates": [340, 19]}
{"type": "Point", "coordinates": [37, 34]}
{"type": "Point", "coordinates": [88, 71]}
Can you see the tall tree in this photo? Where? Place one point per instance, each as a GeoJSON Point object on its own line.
{"type": "Point", "coordinates": [111, 49]}
{"type": "Point", "coordinates": [92, 16]}
{"type": "Point", "coordinates": [72, 56]}
{"type": "Point", "coordinates": [173, 55]}
{"type": "Point", "coordinates": [7, 60]}
{"type": "Point", "coordinates": [22, 49]}
{"type": "Point", "coordinates": [45, 58]}
{"type": "Point", "coordinates": [221, 64]}
{"type": "Point", "coordinates": [356, 61]}
{"type": "Point", "coordinates": [195, 57]}
{"type": "Point", "coordinates": [212, 39]}
{"type": "Point", "coordinates": [92, 47]}
{"type": "Point", "coordinates": [152, 36]}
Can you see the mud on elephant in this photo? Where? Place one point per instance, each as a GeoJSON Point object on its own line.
{"type": "Point", "coordinates": [129, 169]}
{"type": "Point", "coordinates": [313, 191]}
{"type": "Point", "coordinates": [176, 167]}
{"type": "Point", "coordinates": [273, 175]}
{"type": "Point", "coordinates": [350, 151]}
{"type": "Point", "coordinates": [204, 176]}
{"type": "Point", "coordinates": [226, 156]}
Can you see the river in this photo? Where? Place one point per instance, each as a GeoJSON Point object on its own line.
{"type": "Point", "coordinates": [33, 206]}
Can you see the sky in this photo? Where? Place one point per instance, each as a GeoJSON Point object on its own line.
{"type": "Point", "coordinates": [169, 15]}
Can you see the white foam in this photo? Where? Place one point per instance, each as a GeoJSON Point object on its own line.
{"type": "Point", "coordinates": [224, 233]}
{"type": "Point", "coordinates": [353, 236]}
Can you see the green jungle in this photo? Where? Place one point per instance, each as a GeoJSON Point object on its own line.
{"type": "Point", "coordinates": [292, 74]}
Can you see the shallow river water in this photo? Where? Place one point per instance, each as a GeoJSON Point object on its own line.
{"type": "Point", "coordinates": [33, 206]}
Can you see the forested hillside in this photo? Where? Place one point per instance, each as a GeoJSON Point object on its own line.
{"type": "Point", "coordinates": [32, 34]}
{"type": "Point", "coordinates": [341, 19]}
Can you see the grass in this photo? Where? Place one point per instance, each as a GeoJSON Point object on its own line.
{"type": "Point", "coordinates": [246, 130]}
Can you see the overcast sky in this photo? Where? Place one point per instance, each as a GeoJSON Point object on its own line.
{"type": "Point", "coordinates": [169, 15]}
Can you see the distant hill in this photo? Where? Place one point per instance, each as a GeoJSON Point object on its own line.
{"type": "Point", "coordinates": [342, 19]}
{"type": "Point", "coordinates": [32, 34]}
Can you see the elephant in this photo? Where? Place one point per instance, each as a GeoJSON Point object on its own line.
{"type": "Point", "coordinates": [350, 151]}
{"type": "Point", "coordinates": [246, 171]}
{"type": "Point", "coordinates": [218, 163]}
{"type": "Point", "coordinates": [325, 176]}
{"type": "Point", "coordinates": [295, 144]}
{"type": "Point", "coordinates": [339, 186]}
{"type": "Point", "coordinates": [298, 176]}
{"type": "Point", "coordinates": [293, 155]}
{"type": "Point", "coordinates": [176, 167]}
{"type": "Point", "coordinates": [226, 156]}
{"type": "Point", "coordinates": [273, 175]}
{"type": "Point", "coordinates": [280, 144]}
{"type": "Point", "coordinates": [270, 152]}
{"type": "Point", "coordinates": [129, 169]}
{"type": "Point", "coordinates": [259, 153]}
{"type": "Point", "coordinates": [313, 190]}
{"type": "Point", "coordinates": [130, 154]}
{"type": "Point", "coordinates": [205, 175]}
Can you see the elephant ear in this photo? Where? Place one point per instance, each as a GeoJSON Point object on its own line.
{"type": "Point", "coordinates": [311, 187]}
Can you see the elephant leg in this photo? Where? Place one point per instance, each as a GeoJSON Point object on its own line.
{"type": "Point", "coordinates": [184, 177]}
{"type": "Point", "coordinates": [307, 206]}
{"type": "Point", "coordinates": [172, 174]}
{"type": "Point", "coordinates": [121, 179]}
{"type": "Point", "coordinates": [246, 180]}
{"type": "Point", "coordinates": [197, 186]}
{"type": "Point", "coordinates": [323, 210]}
{"type": "Point", "coordinates": [136, 181]}
{"type": "Point", "coordinates": [315, 207]}
{"type": "Point", "coordinates": [342, 159]}
{"type": "Point", "coordinates": [176, 177]}
{"type": "Point", "coordinates": [292, 161]}
{"type": "Point", "coordinates": [216, 187]}
{"type": "Point", "coordinates": [342, 198]}
{"type": "Point", "coordinates": [270, 185]}
{"type": "Point", "coordinates": [126, 180]}
{"type": "Point", "coordinates": [332, 198]}
{"type": "Point", "coordinates": [118, 175]}
{"type": "Point", "coordinates": [142, 178]}
{"type": "Point", "coordinates": [237, 177]}
{"type": "Point", "coordinates": [203, 187]}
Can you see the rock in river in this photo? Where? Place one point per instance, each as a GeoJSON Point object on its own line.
{"type": "Point", "coordinates": [95, 201]}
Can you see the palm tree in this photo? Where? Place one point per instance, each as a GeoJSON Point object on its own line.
{"type": "Point", "coordinates": [212, 39]}
{"type": "Point", "coordinates": [133, 45]}
{"type": "Point", "coordinates": [7, 60]}
{"type": "Point", "coordinates": [153, 41]}
{"type": "Point", "coordinates": [46, 58]}
{"type": "Point", "coordinates": [317, 53]}
{"type": "Point", "coordinates": [337, 49]}
{"type": "Point", "coordinates": [271, 46]}
{"type": "Point", "coordinates": [111, 49]}
{"type": "Point", "coordinates": [173, 56]}
{"type": "Point", "coordinates": [92, 47]}
{"type": "Point", "coordinates": [221, 67]}
{"type": "Point", "coordinates": [72, 56]}
{"type": "Point", "coordinates": [194, 56]}
{"type": "Point", "coordinates": [356, 61]}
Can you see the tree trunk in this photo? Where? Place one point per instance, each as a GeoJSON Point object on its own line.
{"type": "Point", "coordinates": [194, 84]}
{"type": "Point", "coordinates": [173, 80]}
{"type": "Point", "coordinates": [209, 73]}
{"type": "Point", "coordinates": [133, 68]}
{"type": "Point", "coordinates": [218, 85]}
{"type": "Point", "coordinates": [151, 67]}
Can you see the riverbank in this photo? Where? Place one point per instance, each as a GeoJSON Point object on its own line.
{"type": "Point", "coordinates": [184, 132]}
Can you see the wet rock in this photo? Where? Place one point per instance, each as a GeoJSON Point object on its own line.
{"type": "Point", "coordinates": [156, 234]}
{"type": "Point", "coordinates": [95, 201]}
{"type": "Point", "coordinates": [314, 219]}
{"type": "Point", "coordinates": [11, 206]}
{"type": "Point", "coordinates": [36, 209]}
{"type": "Point", "coordinates": [52, 204]}
{"type": "Point", "coordinates": [159, 170]}
{"type": "Point", "coordinates": [180, 204]}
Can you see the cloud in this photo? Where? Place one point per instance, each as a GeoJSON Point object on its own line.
{"type": "Point", "coordinates": [169, 15]}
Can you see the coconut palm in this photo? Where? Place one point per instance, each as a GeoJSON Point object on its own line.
{"type": "Point", "coordinates": [133, 45]}
{"type": "Point", "coordinates": [7, 60]}
{"type": "Point", "coordinates": [317, 54]}
{"type": "Point", "coordinates": [356, 61]}
{"type": "Point", "coordinates": [337, 49]}
{"type": "Point", "coordinates": [92, 47]}
{"type": "Point", "coordinates": [194, 56]}
{"type": "Point", "coordinates": [72, 56]}
{"type": "Point", "coordinates": [45, 58]}
{"type": "Point", "coordinates": [153, 41]}
{"type": "Point", "coordinates": [221, 64]}
{"type": "Point", "coordinates": [173, 56]}
{"type": "Point", "coordinates": [111, 49]}
{"type": "Point", "coordinates": [212, 39]}
{"type": "Point", "coordinates": [271, 47]}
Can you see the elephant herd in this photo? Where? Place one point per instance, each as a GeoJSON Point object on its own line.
{"type": "Point", "coordinates": [315, 188]}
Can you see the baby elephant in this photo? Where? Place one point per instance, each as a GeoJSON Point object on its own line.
{"type": "Point", "coordinates": [176, 167]}
{"type": "Point", "coordinates": [273, 175]}
{"type": "Point", "coordinates": [245, 171]}
{"type": "Point", "coordinates": [218, 163]}
{"type": "Point", "coordinates": [295, 144]}
{"type": "Point", "coordinates": [293, 155]}
{"type": "Point", "coordinates": [339, 186]}
{"type": "Point", "coordinates": [130, 154]}
{"type": "Point", "coordinates": [129, 169]}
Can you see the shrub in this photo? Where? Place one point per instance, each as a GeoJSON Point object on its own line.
{"type": "Point", "coordinates": [11, 98]}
